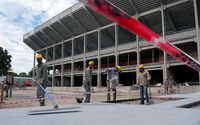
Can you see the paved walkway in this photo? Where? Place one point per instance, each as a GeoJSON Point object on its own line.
{"type": "Point", "coordinates": [110, 114]}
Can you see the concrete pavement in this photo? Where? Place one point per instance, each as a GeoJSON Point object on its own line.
{"type": "Point", "coordinates": [110, 114]}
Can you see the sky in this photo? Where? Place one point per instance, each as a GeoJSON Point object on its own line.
{"type": "Point", "coordinates": [17, 17]}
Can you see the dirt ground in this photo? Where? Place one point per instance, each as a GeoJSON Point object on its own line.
{"type": "Point", "coordinates": [27, 98]}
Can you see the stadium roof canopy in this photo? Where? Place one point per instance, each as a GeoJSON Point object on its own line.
{"type": "Point", "coordinates": [79, 19]}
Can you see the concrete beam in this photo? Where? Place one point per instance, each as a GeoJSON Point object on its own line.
{"type": "Point", "coordinates": [65, 27]}
{"type": "Point", "coordinates": [91, 16]}
{"type": "Point", "coordinates": [133, 5]}
{"type": "Point", "coordinates": [170, 20]}
{"type": "Point", "coordinates": [58, 34]}
{"type": "Point", "coordinates": [77, 22]}
{"type": "Point", "coordinates": [34, 47]}
{"type": "Point", "coordinates": [165, 7]}
{"type": "Point", "coordinates": [48, 37]}
{"type": "Point", "coordinates": [43, 42]}
{"type": "Point", "coordinates": [35, 43]}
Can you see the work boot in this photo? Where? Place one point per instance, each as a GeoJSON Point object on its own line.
{"type": "Point", "coordinates": [141, 103]}
{"type": "Point", "coordinates": [42, 104]}
{"type": "Point", "coordinates": [79, 100]}
{"type": "Point", "coordinates": [108, 97]}
{"type": "Point", "coordinates": [114, 97]}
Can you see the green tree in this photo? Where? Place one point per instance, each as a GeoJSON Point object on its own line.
{"type": "Point", "coordinates": [30, 74]}
{"type": "Point", "coordinates": [23, 74]}
{"type": "Point", "coordinates": [15, 74]}
{"type": "Point", "coordinates": [5, 61]}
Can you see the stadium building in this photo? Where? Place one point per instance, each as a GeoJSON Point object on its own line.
{"type": "Point", "coordinates": [77, 35]}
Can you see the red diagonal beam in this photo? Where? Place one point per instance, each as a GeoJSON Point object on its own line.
{"type": "Point", "coordinates": [108, 10]}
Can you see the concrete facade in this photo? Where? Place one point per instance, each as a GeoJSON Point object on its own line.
{"type": "Point", "coordinates": [77, 35]}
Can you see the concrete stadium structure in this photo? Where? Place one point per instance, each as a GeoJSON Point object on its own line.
{"type": "Point", "coordinates": [77, 35]}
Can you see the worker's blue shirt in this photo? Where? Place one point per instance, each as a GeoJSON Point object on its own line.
{"type": "Point", "coordinates": [111, 73]}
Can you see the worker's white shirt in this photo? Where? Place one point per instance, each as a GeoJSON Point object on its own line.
{"type": "Point", "coordinates": [143, 78]}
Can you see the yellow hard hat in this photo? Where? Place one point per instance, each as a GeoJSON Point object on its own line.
{"type": "Point", "coordinates": [91, 63]}
{"type": "Point", "coordinates": [118, 68]}
{"type": "Point", "coordinates": [141, 66]}
{"type": "Point", "coordinates": [39, 56]}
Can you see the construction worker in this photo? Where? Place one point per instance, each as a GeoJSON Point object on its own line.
{"type": "Point", "coordinates": [168, 84]}
{"type": "Point", "coordinates": [143, 82]}
{"type": "Point", "coordinates": [87, 82]}
{"type": "Point", "coordinates": [112, 78]}
{"type": "Point", "coordinates": [9, 81]}
{"type": "Point", "coordinates": [41, 79]}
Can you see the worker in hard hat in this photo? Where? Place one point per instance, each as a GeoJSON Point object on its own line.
{"type": "Point", "coordinates": [168, 85]}
{"type": "Point", "coordinates": [9, 81]}
{"type": "Point", "coordinates": [143, 83]}
{"type": "Point", "coordinates": [112, 80]}
{"type": "Point", "coordinates": [87, 82]}
{"type": "Point", "coordinates": [41, 78]}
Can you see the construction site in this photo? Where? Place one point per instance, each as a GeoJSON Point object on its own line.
{"type": "Point", "coordinates": [78, 35]}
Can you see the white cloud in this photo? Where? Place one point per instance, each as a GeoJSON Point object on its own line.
{"type": "Point", "coordinates": [18, 17]}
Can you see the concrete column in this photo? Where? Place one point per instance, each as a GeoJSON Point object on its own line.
{"type": "Point", "coordinates": [47, 61]}
{"type": "Point", "coordinates": [138, 52]}
{"type": "Point", "coordinates": [34, 56]}
{"type": "Point", "coordinates": [46, 54]}
{"type": "Point", "coordinates": [99, 60]}
{"type": "Point", "coordinates": [53, 75]}
{"type": "Point", "coordinates": [72, 64]}
{"type": "Point", "coordinates": [99, 73]}
{"type": "Point", "coordinates": [84, 55]}
{"type": "Point", "coordinates": [72, 74]}
{"type": "Point", "coordinates": [62, 66]}
{"type": "Point", "coordinates": [197, 29]}
{"type": "Point", "coordinates": [163, 35]}
{"type": "Point", "coordinates": [116, 46]}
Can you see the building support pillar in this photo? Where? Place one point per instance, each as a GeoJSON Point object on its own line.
{"type": "Point", "coordinates": [138, 53]}
{"type": "Point", "coordinates": [72, 64]}
{"type": "Point", "coordinates": [62, 66]}
{"type": "Point", "coordinates": [84, 55]}
{"type": "Point", "coordinates": [116, 46]}
{"type": "Point", "coordinates": [197, 30]}
{"type": "Point", "coordinates": [99, 60]}
{"type": "Point", "coordinates": [34, 56]}
{"type": "Point", "coordinates": [53, 75]}
{"type": "Point", "coordinates": [165, 75]}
